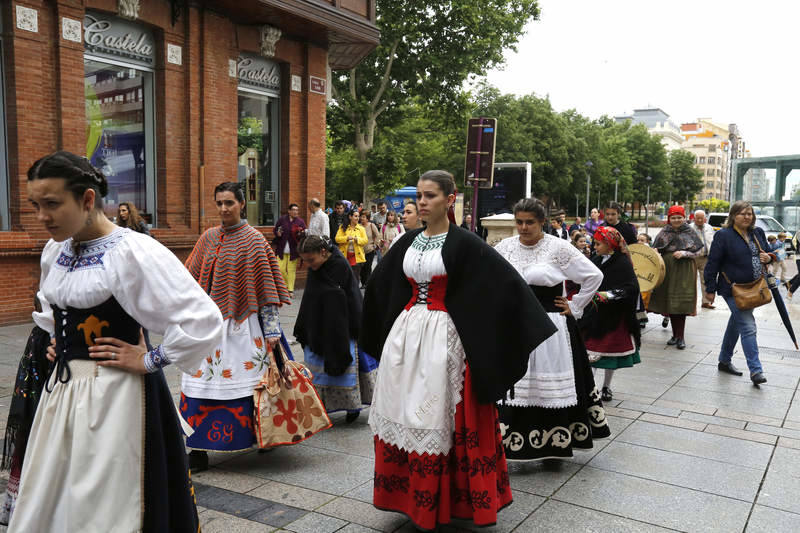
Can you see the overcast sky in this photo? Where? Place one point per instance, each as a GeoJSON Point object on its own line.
{"type": "Point", "coordinates": [733, 61]}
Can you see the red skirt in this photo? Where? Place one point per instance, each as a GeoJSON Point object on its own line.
{"type": "Point", "coordinates": [470, 482]}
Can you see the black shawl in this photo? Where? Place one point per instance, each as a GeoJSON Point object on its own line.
{"type": "Point", "coordinates": [625, 229]}
{"type": "Point", "coordinates": [330, 313]}
{"type": "Point", "coordinates": [683, 239]}
{"type": "Point", "coordinates": [498, 318]}
{"type": "Point", "coordinates": [600, 318]}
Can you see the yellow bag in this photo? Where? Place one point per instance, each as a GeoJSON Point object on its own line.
{"type": "Point", "coordinates": [288, 409]}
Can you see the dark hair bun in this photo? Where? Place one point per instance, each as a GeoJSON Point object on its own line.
{"type": "Point", "coordinates": [78, 171]}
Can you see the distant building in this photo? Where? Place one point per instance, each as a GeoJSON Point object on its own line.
{"type": "Point", "coordinates": [658, 123]}
{"type": "Point", "coordinates": [713, 146]}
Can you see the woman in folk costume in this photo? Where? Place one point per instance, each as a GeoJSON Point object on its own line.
{"type": "Point", "coordinates": [556, 406]}
{"type": "Point", "coordinates": [235, 264]}
{"type": "Point", "coordinates": [678, 245]}
{"type": "Point", "coordinates": [105, 452]}
{"type": "Point", "coordinates": [327, 328]}
{"type": "Point", "coordinates": [609, 325]}
{"type": "Point", "coordinates": [453, 325]}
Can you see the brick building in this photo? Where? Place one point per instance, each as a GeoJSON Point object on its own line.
{"type": "Point", "coordinates": [168, 98]}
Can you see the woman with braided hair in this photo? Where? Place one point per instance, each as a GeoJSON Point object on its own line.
{"type": "Point", "coordinates": [327, 328]}
{"type": "Point", "coordinates": [106, 429]}
{"type": "Point", "coordinates": [609, 325]}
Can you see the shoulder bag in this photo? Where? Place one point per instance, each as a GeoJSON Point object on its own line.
{"type": "Point", "coordinates": [288, 409]}
{"type": "Point", "coordinates": [752, 294]}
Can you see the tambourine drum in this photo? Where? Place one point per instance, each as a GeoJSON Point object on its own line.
{"type": "Point", "coordinates": [648, 265]}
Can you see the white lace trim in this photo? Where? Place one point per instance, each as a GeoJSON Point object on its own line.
{"type": "Point", "coordinates": [431, 441]}
{"type": "Point", "coordinates": [549, 249]}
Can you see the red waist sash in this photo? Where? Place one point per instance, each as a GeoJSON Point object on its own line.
{"type": "Point", "coordinates": [430, 293]}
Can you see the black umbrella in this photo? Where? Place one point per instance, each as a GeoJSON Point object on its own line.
{"type": "Point", "coordinates": [779, 303]}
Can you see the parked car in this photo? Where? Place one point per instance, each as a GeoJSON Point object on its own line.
{"type": "Point", "coordinates": [765, 222]}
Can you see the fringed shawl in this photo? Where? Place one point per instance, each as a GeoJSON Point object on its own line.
{"type": "Point", "coordinates": [683, 239]}
{"type": "Point", "coordinates": [238, 269]}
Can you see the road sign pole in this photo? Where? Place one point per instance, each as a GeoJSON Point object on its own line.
{"type": "Point", "coordinates": [476, 181]}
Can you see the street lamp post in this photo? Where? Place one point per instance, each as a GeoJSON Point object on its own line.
{"type": "Point", "coordinates": [588, 186]}
{"type": "Point", "coordinates": [647, 206]}
{"type": "Point", "coordinates": [616, 182]}
{"type": "Point", "coordinates": [577, 207]}
{"type": "Point", "coordinates": [670, 193]}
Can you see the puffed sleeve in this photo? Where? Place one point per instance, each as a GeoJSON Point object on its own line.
{"type": "Point", "coordinates": [583, 272]}
{"type": "Point", "coordinates": [152, 285]}
{"type": "Point", "coordinates": [44, 319]}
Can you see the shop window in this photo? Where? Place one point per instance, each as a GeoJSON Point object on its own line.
{"type": "Point", "coordinates": [5, 224]}
{"type": "Point", "coordinates": [702, 160]}
{"type": "Point", "coordinates": [120, 133]}
{"type": "Point", "coordinates": [710, 160]}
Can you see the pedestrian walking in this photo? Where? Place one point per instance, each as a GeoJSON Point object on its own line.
{"type": "Point", "coordinates": [593, 223]}
{"type": "Point", "coordinates": [609, 325]}
{"type": "Point", "coordinates": [235, 264]}
{"type": "Point", "coordinates": [327, 328]}
{"type": "Point", "coordinates": [411, 219]}
{"type": "Point", "coordinates": [128, 217]}
{"type": "Point", "coordinates": [451, 344]}
{"type": "Point", "coordinates": [777, 245]}
{"type": "Point", "coordinates": [337, 218]}
{"type": "Point", "coordinates": [555, 407]}
{"type": "Point", "coordinates": [390, 231]}
{"type": "Point", "coordinates": [31, 373]}
{"type": "Point", "coordinates": [379, 216]}
{"type": "Point", "coordinates": [557, 229]}
{"type": "Point", "coordinates": [105, 451]}
{"type": "Point", "coordinates": [676, 297]}
{"type": "Point", "coordinates": [706, 234]}
{"type": "Point", "coordinates": [318, 223]}
{"type": "Point", "coordinates": [576, 226]}
{"type": "Point", "coordinates": [371, 248]}
{"type": "Point", "coordinates": [737, 256]}
{"type": "Point", "coordinates": [288, 231]}
{"type": "Point", "coordinates": [613, 219]}
{"type": "Point", "coordinates": [351, 239]}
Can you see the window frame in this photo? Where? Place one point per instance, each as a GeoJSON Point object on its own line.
{"type": "Point", "coordinates": [148, 96]}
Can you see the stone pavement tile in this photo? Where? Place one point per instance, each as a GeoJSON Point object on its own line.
{"type": "Point", "coordinates": [623, 413]}
{"type": "Point", "coordinates": [763, 406]}
{"type": "Point", "coordinates": [715, 477]}
{"type": "Point", "coordinates": [542, 478]}
{"type": "Point", "coordinates": [772, 430]}
{"type": "Point", "coordinates": [622, 395]}
{"type": "Point", "coordinates": [316, 523]}
{"type": "Point", "coordinates": [680, 356]}
{"type": "Point", "coordinates": [747, 417]}
{"type": "Point", "coordinates": [304, 466]}
{"type": "Point", "coordinates": [786, 461]}
{"type": "Point", "coordinates": [228, 480]}
{"type": "Point", "coordinates": [635, 406]}
{"type": "Point", "coordinates": [220, 458]}
{"type": "Point", "coordinates": [768, 520]}
{"type": "Point", "coordinates": [702, 409]}
{"type": "Point", "coordinates": [789, 443]}
{"type": "Point", "coordinates": [734, 385]}
{"type": "Point", "coordinates": [776, 379]}
{"type": "Point", "coordinates": [559, 516]}
{"type": "Point", "coordinates": [671, 421]}
{"type": "Point", "coordinates": [738, 424]}
{"type": "Point", "coordinates": [353, 439]}
{"type": "Point", "coordinates": [355, 528]}
{"type": "Point", "coordinates": [277, 515]}
{"type": "Point", "coordinates": [362, 493]}
{"type": "Point", "coordinates": [508, 519]}
{"type": "Point", "coordinates": [639, 386]}
{"type": "Point", "coordinates": [658, 370]}
{"type": "Point", "coordinates": [780, 491]}
{"type": "Point", "coordinates": [364, 514]}
{"type": "Point", "coordinates": [741, 434]}
{"type": "Point", "coordinates": [227, 501]}
{"type": "Point", "coordinates": [617, 425]}
{"type": "Point", "coordinates": [705, 445]}
{"type": "Point", "coordinates": [794, 412]}
{"type": "Point", "coordinates": [290, 495]}
{"type": "Point", "coordinates": [653, 502]}
{"type": "Point", "coordinates": [791, 425]}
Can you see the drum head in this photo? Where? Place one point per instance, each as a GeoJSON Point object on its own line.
{"type": "Point", "coordinates": [648, 265]}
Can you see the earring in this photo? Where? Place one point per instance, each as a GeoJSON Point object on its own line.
{"type": "Point", "coordinates": [89, 220]}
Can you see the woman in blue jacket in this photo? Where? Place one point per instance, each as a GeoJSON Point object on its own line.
{"type": "Point", "coordinates": [737, 254]}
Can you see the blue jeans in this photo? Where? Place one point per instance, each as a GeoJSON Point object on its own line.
{"type": "Point", "coordinates": [741, 323]}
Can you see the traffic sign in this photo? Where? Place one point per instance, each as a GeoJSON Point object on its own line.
{"type": "Point", "coordinates": [479, 162]}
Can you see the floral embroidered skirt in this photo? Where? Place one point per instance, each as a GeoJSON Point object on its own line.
{"type": "Point", "coordinates": [532, 432]}
{"type": "Point", "coordinates": [351, 391]}
{"type": "Point", "coordinates": [219, 425]}
{"type": "Point", "coordinates": [469, 482]}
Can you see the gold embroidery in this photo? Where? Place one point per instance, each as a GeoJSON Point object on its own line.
{"type": "Point", "coordinates": [92, 325]}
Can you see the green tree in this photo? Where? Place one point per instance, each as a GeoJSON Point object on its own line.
{"type": "Point", "coordinates": [714, 205]}
{"type": "Point", "coordinates": [686, 179]}
{"type": "Point", "coordinates": [427, 51]}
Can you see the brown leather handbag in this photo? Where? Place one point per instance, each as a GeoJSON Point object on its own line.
{"type": "Point", "coordinates": [750, 295]}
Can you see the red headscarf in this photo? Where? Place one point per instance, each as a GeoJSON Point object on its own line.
{"type": "Point", "coordinates": [612, 237]}
{"type": "Point", "coordinates": [676, 210]}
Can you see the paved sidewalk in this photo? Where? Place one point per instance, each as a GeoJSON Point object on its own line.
{"type": "Point", "coordinates": [691, 450]}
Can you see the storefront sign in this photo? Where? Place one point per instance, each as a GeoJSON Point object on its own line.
{"type": "Point", "coordinates": [316, 85]}
{"type": "Point", "coordinates": [112, 37]}
{"type": "Point", "coordinates": [258, 73]}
